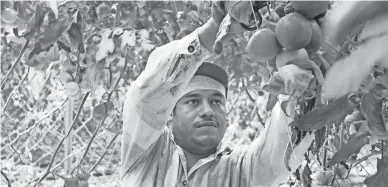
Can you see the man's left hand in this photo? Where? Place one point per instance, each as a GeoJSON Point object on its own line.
{"type": "Point", "coordinates": [229, 15]}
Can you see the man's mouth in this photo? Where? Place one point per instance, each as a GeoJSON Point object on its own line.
{"type": "Point", "coordinates": [207, 124]}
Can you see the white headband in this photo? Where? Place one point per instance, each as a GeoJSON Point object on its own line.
{"type": "Point", "coordinates": [201, 82]}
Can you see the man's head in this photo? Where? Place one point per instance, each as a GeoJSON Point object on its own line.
{"type": "Point", "coordinates": [199, 117]}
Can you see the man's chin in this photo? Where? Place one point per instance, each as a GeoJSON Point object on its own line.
{"type": "Point", "coordinates": [208, 140]}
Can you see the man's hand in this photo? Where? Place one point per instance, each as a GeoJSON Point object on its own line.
{"type": "Point", "coordinates": [227, 16]}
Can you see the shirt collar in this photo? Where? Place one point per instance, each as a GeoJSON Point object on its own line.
{"type": "Point", "coordinates": [219, 150]}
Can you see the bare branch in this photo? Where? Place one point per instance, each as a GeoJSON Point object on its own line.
{"type": "Point", "coordinates": [16, 89]}
{"type": "Point", "coordinates": [6, 178]}
{"type": "Point", "coordinates": [105, 151]}
{"type": "Point", "coordinates": [63, 139]}
{"type": "Point", "coordinates": [362, 159]}
{"type": "Point", "coordinates": [112, 89]}
{"type": "Point", "coordinates": [13, 148]}
{"type": "Point", "coordinates": [15, 63]}
{"type": "Point", "coordinates": [234, 103]}
{"type": "Point", "coordinates": [325, 151]}
{"type": "Point", "coordinates": [32, 127]}
{"type": "Point", "coordinates": [90, 143]}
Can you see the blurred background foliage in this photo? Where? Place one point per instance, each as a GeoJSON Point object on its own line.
{"type": "Point", "coordinates": [90, 52]}
{"type": "Point", "coordinates": [34, 95]}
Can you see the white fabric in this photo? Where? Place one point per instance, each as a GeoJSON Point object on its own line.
{"type": "Point", "coordinates": [201, 82]}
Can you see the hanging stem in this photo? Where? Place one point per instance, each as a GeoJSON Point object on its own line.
{"type": "Point", "coordinates": [15, 63]}
{"type": "Point", "coordinates": [325, 150]}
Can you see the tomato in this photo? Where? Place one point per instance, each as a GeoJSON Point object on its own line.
{"type": "Point", "coordinates": [71, 181]}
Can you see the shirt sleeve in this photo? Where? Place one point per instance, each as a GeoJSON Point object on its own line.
{"type": "Point", "coordinates": [153, 95]}
{"type": "Point", "coordinates": [264, 159]}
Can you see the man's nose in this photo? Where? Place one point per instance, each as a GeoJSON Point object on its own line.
{"type": "Point", "coordinates": [206, 111]}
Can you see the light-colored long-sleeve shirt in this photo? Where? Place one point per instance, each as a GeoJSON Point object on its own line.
{"type": "Point", "coordinates": [150, 156]}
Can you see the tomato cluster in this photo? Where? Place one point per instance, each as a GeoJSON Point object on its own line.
{"type": "Point", "coordinates": [296, 37]}
{"type": "Point", "coordinates": [73, 76]}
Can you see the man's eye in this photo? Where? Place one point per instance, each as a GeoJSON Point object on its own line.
{"type": "Point", "coordinates": [217, 102]}
{"type": "Point", "coordinates": [192, 102]}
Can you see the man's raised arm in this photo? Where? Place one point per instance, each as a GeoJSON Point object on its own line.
{"type": "Point", "coordinates": [151, 98]}
{"type": "Point", "coordinates": [266, 154]}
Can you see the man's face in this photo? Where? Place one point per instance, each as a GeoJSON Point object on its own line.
{"type": "Point", "coordinates": [199, 120]}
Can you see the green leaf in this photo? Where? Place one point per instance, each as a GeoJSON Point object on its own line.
{"type": "Point", "coordinates": [223, 34]}
{"type": "Point", "coordinates": [128, 38]}
{"type": "Point", "coordinates": [384, 113]}
{"type": "Point", "coordinates": [41, 59]}
{"type": "Point", "coordinates": [326, 115]}
{"type": "Point", "coordinates": [379, 179]}
{"type": "Point", "coordinates": [284, 105]}
{"type": "Point", "coordinates": [287, 155]}
{"type": "Point", "coordinates": [36, 21]}
{"type": "Point", "coordinates": [271, 102]}
{"type": "Point", "coordinates": [319, 139]}
{"type": "Point", "coordinates": [91, 78]}
{"type": "Point", "coordinates": [305, 176]}
{"type": "Point", "coordinates": [101, 109]}
{"type": "Point", "coordinates": [55, 30]}
{"type": "Point", "coordinates": [75, 36]}
{"type": "Point", "coordinates": [353, 146]}
{"type": "Point", "coordinates": [106, 46]}
{"type": "Point", "coordinates": [371, 108]}
{"type": "Point", "coordinates": [291, 144]}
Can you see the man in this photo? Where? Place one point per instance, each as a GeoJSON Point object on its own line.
{"type": "Point", "coordinates": [175, 118]}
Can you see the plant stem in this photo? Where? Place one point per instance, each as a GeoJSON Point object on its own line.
{"type": "Point", "coordinates": [234, 102]}
{"type": "Point", "coordinates": [382, 149]}
{"type": "Point", "coordinates": [63, 139]}
{"type": "Point", "coordinates": [15, 63]}
{"type": "Point", "coordinates": [32, 127]}
{"type": "Point", "coordinates": [117, 18]}
{"type": "Point", "coordinates": [351, 166]}
{"type": "Point", "coordinates": [6, 178]}
{"type": "Point", "coordinates": [13, 92]}
{"type": "Point", "coordinates": [365, 169]}
{"type": "Point", "coordinates": [106, 150]}
{"type": "Point", "coordinates": [13, 148]}
{"type": "Point", "coordinates": [105, 116]}
{"type": "Point", "coordinates": [90, 143]}
{"type": "Point", "coordinates": [325, 150]}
